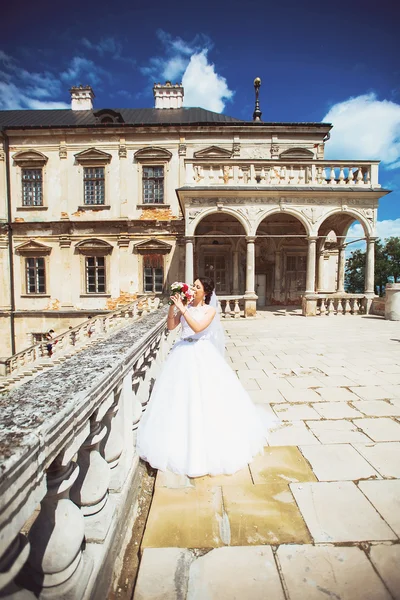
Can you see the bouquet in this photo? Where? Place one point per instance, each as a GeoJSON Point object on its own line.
{"type": "Point", "coordinates": [178, 287]}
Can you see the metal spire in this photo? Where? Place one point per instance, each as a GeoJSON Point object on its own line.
{"type": "Point", "coordinates": [257, 112]}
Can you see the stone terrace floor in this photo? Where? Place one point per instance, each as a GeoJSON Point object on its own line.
{"type": "Point", "coordinates": [318, 515]}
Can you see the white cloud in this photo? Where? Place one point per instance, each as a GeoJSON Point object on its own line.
{"type": "Point", "coordinates": [108, 46]}
{"type": "Point", "coordinates": [83, 71]}
{"type": "Point", "coordinates": [188, 62]}
{"type": "Point", "coordinates": [365, 128]}
{"type": "Point", "coordinates": [203, 86]}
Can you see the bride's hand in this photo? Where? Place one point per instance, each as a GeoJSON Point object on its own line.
{"type": "Point", "coordinates": [176, 299]}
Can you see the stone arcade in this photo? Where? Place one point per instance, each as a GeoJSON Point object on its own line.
{"type": "Point", "coordinates": [97, 206]}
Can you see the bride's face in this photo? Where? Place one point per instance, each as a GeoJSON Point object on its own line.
{"type": "Point", "coordinates": [198, 290]}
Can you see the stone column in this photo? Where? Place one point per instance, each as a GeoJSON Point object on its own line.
{"type": "Point", "coordinates": [369, 287]}
{"type": "Point", "coordinates": [189, 260]}
{"type": "Point", "coordinates": [278, 275]}
{"type": "Point", "coordinates": [320, 272]}
{"type": "Point", "coordinates": [250, 294]}
{"type": "Point", "coordinates": [236, 272]}
{"type": "Point", "coordinates": [311, 263]}
{"type": "Point", "coordinates": [341, 266]}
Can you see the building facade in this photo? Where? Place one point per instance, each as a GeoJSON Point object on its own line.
{"type": "Point", "coordinates": [98, 206]}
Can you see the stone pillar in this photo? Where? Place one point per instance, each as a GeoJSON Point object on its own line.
{"type": "Point", "coordinates": [392, 304]}
{"type": "Point", "coordinates": [90, 491]}
{"type": "Point", "coordinates": [340, 271]}
{"type": "Point", "coordinates": [236, 272]}
{"type": "Point", "coordinates": [250, 294]}
{"type": "Point", "coordinates": [320, 272]}
{"type": "Point", "coordinates": [311, 263]}
{"type": "Point", "coordinates": [113, 443]}
{"type": "Point", "coordinates": [55, 562]}
{"type": "Point", "coordinates": [278, 275]}
{"type": "Point", "coordinates": [189, 260]}
{"type": "Point", "coordinates": [370, 267]}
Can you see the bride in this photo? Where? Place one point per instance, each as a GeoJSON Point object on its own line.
{"type": "Point", "coordinates": [199, 419]}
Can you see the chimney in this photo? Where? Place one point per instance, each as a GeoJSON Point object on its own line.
{"type": "Point", "coordinates": [168, 95]}
{"type": "Point", "coordinates": [82, 97]}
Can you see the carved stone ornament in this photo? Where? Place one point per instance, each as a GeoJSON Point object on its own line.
{"type": "Point", "coordinates": [93, 247]}
{"type": "Point", "coordinates": [193, 214]}
{"type": "Point", "coordinates": [312, 213]}
{"type": "Point", "coordinates": [153, 246]}
{"type": "Point", "coordinates": [250, 212]}
{"type": "Point", "coordinates": [2, 155]}
{"type": "Point", "coordinates": [368, 213]}
{"type": "Point", "coordinates": [236, 150]}
{"type": "Point", "coordinates": [213, 152]}
{"type": "Point", "coordinates": [93, 156]}
{"type": "Point", "coordinates": [33, 248]}
{"type": "Point", "coordinates": [297, 153]}
{"type": "Point", "coordinates": [152, 154]}
{"type": "Point", "coordinates": [182, 149]}
{"type": "Point", "coordinates": [122, 151]}
{"type": "Point", "coordinates": [62, 150]}
{"type": "Point", "coordinates": [274, 151]}
{"type": "Point", "coordinates": [30, 158]}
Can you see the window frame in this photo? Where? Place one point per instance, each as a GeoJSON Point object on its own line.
{"type": "Point", "coordinates": [155, 180]}
{"type": "Point", "coordinates": [95, 180]}
{"type": "Point", "coordinates": [32, 182]}
{"type": "Point", "coordinates": [30, 160]}
{"type": "Point", "coordinates": [36, 276]}
{"type": "Point", "coordinates": [152, 157]}
{"type": "Point", "coordinates": [96, 268]}
{"type": "Point", "coordinates": [93, 158]}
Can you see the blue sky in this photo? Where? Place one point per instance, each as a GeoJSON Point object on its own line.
{"type": "Point", "coordinates": [317, 61]}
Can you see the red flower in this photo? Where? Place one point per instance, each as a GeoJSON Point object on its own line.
{"type": "Point", "coordinates": [185, 287]}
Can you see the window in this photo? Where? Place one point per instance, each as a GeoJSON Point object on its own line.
{"type": "Point", "coordinates": [153, 185]}
{"type": "Point", "coordinates": [153, 273]}
{"type": "Point", "coordinates": [296, 273]}
{"type": "Point", "coordinates": [94, 185]}
{"type": "Point", "coordinates": [32, 187]}
{"type": "Point", "coordinates": [95, 274]}
{"type": "Point", "coordinates": [35, 275]}
{"type": "Point", "coordinates": [215, 267]}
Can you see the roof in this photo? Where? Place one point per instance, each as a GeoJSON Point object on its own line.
{"type": "Point", "coordinates": [64, 118]}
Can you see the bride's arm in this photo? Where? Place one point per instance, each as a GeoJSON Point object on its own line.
{"type": "Point", "coordinates": [199, 326]}
{"type": "Point", "coordinates": [172, 318]}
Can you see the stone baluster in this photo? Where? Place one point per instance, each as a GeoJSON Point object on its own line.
{"type": "Point", "coordinates": [90, 490]}
{"type": "Point", "coordinates": [240, 175]}
{"type": "Point", "coordinates": [11, 564]}
{"type": "Point", "coordinates": [330, 307]}
{"type": "Point", "coordinates": [347, 307]}
{"type": "Point", "coordinates": [219, 308]}
{"type": "Point", "coordinates": [137, 408]}
{"type": "Point", "coordinates": [221, 175]}
{"type": "Point", "coordinates": [341, 177]}
{"type": "Point", "coordinates": [301, 180]}
{"type": "Point", "coordinates": [350, 176]}
{"type": "Point", "coordinates": [332, 178]}
{"type": "Point", "coordinates": [368, 177]}
{"type": "Point", "coordinates": [236, 310]}
{"type": "Point", "coordinates": [268, 175]}
{"type": "Point", "coordinates": [211, 174]}
{"type": "Point", "coordinates": [227, 311]}
{"type": "Point", "coordinates": [322, 311]}
{"type": "Point", "coordinates": [55, 565]}
{"type": "Point", "coordinates": [322, 176]}
{"type": "Point", "coordinates": [112, 445]}
{"type": "Point", "coordinates": [360, 177]}
{"type": "Point", "coordinates": [262, 176]}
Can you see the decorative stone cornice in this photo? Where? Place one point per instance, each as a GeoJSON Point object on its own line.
{"type": "Point", "coordinates": [30, 158]}
{"type": "Point", "coordinates": [153, 246]}
{"type": "Point", "coordinates": [213, 152]}
{"type": "Point", "coordinates": [93, 156]}
{"type": "Point", "coordinates": [93, 247]}
{"type": "Point", "coordinates": [153, 153]}
{"type": "Point", "coordinates": [33, 248]}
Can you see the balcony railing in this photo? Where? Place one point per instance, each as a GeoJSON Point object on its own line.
{"type": "Point", "coordinates": [294, 173]}
{"type": "Point", "coordinates": [231, 306]}
{"type": "Point", "coordinates": [67, 443]}
{"type": "Point", "coordinates": [335, 304]}
{"type": "Point", "coordinates": [35, 358]}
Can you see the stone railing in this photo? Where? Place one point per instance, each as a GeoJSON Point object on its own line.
{"type": "Point", "coordinates": [73, 339]}
{"type": "Point", "coordinates": [204, 172]}
{"type": "Point", "coordinates": [231, 306]}
{"type": "Point", "coordinates": [335, 304]}
{"type": "Point", "coordinates": [67, 443]}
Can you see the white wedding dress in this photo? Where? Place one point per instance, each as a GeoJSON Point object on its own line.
{"type": "Point", "coordinates": [200, 420]}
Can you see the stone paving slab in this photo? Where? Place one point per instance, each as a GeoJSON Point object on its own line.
{"type": "Point", "coordinates": [338, 432]}
{"type": "Point", "coordinates": [386, 560]}
{"type": "Point", "coordinates": [320, 572]}
{"type": "Point", "coordinates": [380, 430]}
{"type": "Point", "coordinates": [338, 462]}
{"type": "Point", "coordinates": [384, 457]}
{"type": "Point", "coordinates": [336, 410]}
{"type": "Point", "coordinates": [385, 497]}
{"type": "Point", "coordinates": [339, 512]}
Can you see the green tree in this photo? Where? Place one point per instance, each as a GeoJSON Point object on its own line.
{"type": "Point", "coordinates": [392, 248]}
{"type": "Point", "coordinates": [387, 267]}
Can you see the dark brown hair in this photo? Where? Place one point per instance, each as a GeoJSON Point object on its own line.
{"type": "Point", "coordinates": [208, 285]}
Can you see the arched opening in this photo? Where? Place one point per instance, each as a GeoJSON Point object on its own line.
{"type": "Point", "coordinates": [220, 252]}
{"type": "Point", "coordinates": [338, 237]}
{"type": "Point", "coordinates": [281, 260]}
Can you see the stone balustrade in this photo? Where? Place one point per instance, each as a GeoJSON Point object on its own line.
{"type": "Point", "coordinates": [73, 339]}
{"type": "Point", "coordinates": [70, 475]}
{"type": "Point", "coordinates": [231, 306]}
{"type": "Point", "coordinates": [281, 173]}
{"type": "Point", "coordinates": [335, 304]}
